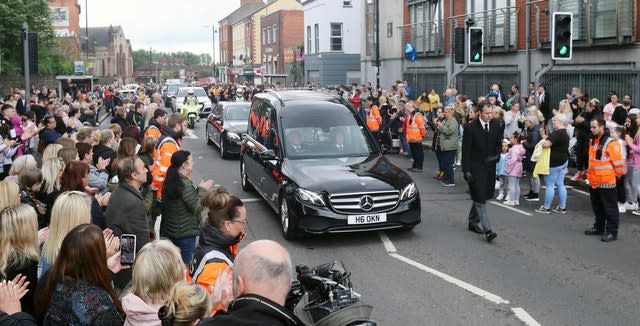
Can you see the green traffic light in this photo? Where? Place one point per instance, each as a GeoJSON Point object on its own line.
{"type": "Point", "coordinates": [564, 50]}
{"type": "Point", "coordinates": [476, 57]}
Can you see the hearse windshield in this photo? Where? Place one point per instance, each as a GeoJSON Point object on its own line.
{"type": "Point", "coordinates": [324, 130]}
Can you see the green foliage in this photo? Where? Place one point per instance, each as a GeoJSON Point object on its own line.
{"type": "Point", "coordinates": [142, 57]}
{"type": "Point", "coordinates": [36, 14]}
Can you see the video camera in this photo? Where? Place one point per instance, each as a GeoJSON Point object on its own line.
{"type": "Point", "coordinates": [324, 296]}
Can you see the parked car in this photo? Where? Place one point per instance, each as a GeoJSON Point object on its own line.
{"type": "Point", "coordinates": [313, 160]}
{"type": "Point", "coordinates": [225, 126]}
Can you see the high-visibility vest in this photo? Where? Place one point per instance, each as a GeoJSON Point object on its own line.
{"type": "Point", "coordinates": [602, 172]}
{"type": "Point", "coordinates": [415, 130]}
{"type": "Point", "coordinates": [165, 149]}
{"type": "Point", "coordinates": [374, 120]}
{"type": "Point", "coordinates": [152, 131]}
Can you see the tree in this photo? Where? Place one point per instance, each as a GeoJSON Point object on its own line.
{"type": "Point", "coordinates": [51, 60]}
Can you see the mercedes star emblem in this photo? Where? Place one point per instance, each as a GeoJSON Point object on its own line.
{"type": "Point", "coordinates": [366, 202]}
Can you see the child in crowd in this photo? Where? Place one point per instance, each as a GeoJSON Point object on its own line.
{"type": "Point", "coordinates": [501, 172]}
{"type": "Point", "coordinates": [514, 169]}
{"type": "Point", "coordinates": [618, 134]}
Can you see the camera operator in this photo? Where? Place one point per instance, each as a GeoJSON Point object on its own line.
{"type": "Point", "coordinates": [261, 282]}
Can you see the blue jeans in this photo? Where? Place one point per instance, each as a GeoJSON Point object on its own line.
{"type": "Point", "coordinates": [555, 178]}
{"type": "Point", "coordinates": [187, 246]}
{"type": "Point", "coordinates": [403, 143]}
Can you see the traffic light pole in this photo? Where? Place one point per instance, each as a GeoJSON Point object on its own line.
{"type": "Point", "coordinates": [27, 75]}
{"type": "Point", "coordinates": [544, 71]}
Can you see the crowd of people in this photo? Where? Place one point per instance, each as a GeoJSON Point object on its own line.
{"type": "Point", "coordinates": [70, 191]}
{"type": "Point", "coordinates": [537, 140]}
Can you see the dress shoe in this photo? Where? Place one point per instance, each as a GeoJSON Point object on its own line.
{"type": "Point", "coordinates": [593, 231]}
{"type": "Point", "coordinates": [490, 235]}
{"type": "Point", "coordinates": [475, 228]}
{"type": "Point", "coordinates": [609, 237]}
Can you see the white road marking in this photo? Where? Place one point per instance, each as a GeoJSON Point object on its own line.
{"type": "Point", "coordinates": [191, 135]}
{"type": "Point", "coordinates": [510, 208]}
{"type": "Point", "coordinates": [525, 317]}
{"type": "Point", "coordinates": [581, 192]}
{"type": "Point", "coordinates": [388, 245]}
{"type": "Point", "coordinates": [568, 187]}
{"type": "Point", "coordinates": [250, 200]}
{"type": "Point", "coordinates": [473, 289]}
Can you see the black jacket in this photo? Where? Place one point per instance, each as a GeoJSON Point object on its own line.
{"type": "Point", "coordinates": [251, 309]}
{"type": "Point", "coordinates": [120, 121]}
{"type": "Point", "coordinates": [127, 215]}
{"type": "Point", "coordinates": [480, 152]}
{"type": "Point", "coordinates": [105, 152]}
{"type": "Point", "coordinates": [17, 319]}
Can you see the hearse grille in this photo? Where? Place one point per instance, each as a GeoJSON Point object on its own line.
{"type": "Point", "coordinates": [364, 202]}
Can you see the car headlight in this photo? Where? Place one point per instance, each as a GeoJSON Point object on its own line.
{"type": "Point", "coordinates": [233, 136]}
{"type": "Point", "coordinates": [310, 197]}
{"type": "Point", "coordinates": [408, 192]}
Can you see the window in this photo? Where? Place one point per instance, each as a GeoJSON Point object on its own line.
{"type": "Point", "coordinates": [426, 32]}
{"type": "Point", "coordinates": [346, 3]}
{"type": "Point", "coordinates": [317, 37]}
{"type": "Point", "coordinates": [275, 34]}
{"type": "Point", "coordinates": [336, 37]}
{"type": "Point", "coordinates": [308, 39]}
{"type": "Point", "coordinates": [264, 36]}
{"type": "Point", "coordinates": [389, 29]}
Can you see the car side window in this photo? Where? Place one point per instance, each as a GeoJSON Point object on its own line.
{"type": "Point", "coordinates": [254, 120]}
{"type": "Point", "coordinates": [271, 125]}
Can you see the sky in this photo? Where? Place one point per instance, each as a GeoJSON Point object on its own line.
{"type": "Point", "coordinates": [163, 25]}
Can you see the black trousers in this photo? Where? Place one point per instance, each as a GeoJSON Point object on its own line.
{"type": "Point", "coordinates": [417, 152]}
{"type": "Point", "coordinates": [604, 202]}
{"type": "Point", "coordinates": [582, 154]}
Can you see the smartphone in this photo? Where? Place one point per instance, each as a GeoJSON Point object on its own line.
{"type": "Point", "coordinates": [127, 249]}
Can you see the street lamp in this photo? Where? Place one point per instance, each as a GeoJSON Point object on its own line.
{"type": "Point", "coordinates": [213, 54]}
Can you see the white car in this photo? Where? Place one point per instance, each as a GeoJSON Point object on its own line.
{"type": "Point", "coordinates": [199, 92]}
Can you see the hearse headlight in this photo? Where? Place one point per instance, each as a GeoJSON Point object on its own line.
{"type": "Point", "coordinates": [408, 192]}
{"type": "Point", "coordinates": [233, 136]}
{"type": "Point", "coordinates": [310, 197]}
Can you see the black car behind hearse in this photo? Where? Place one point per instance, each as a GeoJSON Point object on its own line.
{"type": "Point", "coordinates": [312, 158]}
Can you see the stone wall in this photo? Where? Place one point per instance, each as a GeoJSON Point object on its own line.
{"type": "Point", "coordinates": [8, 81]}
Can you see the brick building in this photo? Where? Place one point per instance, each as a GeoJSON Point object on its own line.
{"type": "Point", "coordinates": [282, 32]}
{"type": "Point", "coordinates": [65, 19]}
{"type": "Point", "coordinates": [516, 45]}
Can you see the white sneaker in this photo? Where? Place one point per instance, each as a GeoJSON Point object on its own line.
{"type": "Point", "coordinates": [497, 186]}
{"type": "Point", "coordinates": [631, 206]}
{"type": "Point", "coordinates": [500, 196]}
{"type": "Point", "coordinates": [621, 208]}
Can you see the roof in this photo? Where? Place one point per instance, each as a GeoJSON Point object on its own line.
{"type": "Point", "coordinates": [243, 12]}
{"type": "Point", "coordinates": [99, 35]}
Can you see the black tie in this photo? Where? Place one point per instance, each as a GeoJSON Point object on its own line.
{"type": "Point", "coordinates": [486, 127]}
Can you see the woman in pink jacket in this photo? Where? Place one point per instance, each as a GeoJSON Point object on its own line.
{"type": "Point", "coordinates": [514, 169]}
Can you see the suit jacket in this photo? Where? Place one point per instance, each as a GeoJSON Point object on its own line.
{"type": "Point", "coordinates": [21, 106]}
{"type": "Point", "coordinates": [480, 153]}
{"type": "Point", "coordinates": [544, 107]}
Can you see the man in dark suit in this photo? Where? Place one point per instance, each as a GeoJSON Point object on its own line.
{"type": "Point", "coordinates": [544, 104]}
{"type": "Point", "coordinates": [294, 143]}
{"type": "Point", "coordinates": [481, 146]}
{"type": "Point", "coordinates": [22, 104]}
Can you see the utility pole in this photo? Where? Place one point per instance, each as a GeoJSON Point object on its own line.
{"type": "Point", "coordinates": [86, 24]}
{"type": "Point", "coordinates": [25, 48]}
{"type": "Point", "coordinates": [213, 58]}
{"type": "Point", "coordinates": [377, 22]}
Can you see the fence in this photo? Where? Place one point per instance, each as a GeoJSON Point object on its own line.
{"type": "Point", "coordinates": [478, 83]}
{"type": "Point", "coordinates": [425, 81]}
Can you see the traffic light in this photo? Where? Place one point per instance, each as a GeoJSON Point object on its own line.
{"type": "Point", "coordinates": [33, 53]}
{"type": "Point", "coordinates": [475, 46]}
{"type": "Point", "coordinates": [562, 29]}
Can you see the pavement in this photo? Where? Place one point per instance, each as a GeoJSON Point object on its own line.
{"type": "Point", "coordinates": [541, 270]}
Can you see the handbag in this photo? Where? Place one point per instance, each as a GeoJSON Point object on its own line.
{"type": "Point", "coordinates": [537, 151]}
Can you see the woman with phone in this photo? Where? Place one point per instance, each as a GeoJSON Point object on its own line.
{"type": "Point", "coordinates": [180, 197]}
{"type": "Point", "coordinates": [224, 228]}
{"type": "Point", "coordinates": [77, 290]}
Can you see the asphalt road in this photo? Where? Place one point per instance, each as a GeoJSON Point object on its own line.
{"type": "Point", "coordinates": [540, 270]}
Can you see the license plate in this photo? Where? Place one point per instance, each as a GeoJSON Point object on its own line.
{"type": "Point", "coordinates": [367, 218]}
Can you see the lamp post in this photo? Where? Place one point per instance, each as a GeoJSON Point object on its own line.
{"type": "Point", "coordinates": [213, 54]}
{"type": "Point", "coordinates": [86, 24]}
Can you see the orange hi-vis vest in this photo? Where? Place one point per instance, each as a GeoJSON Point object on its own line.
{"type": "Point", "coordinates": [374, 120]}
{"type": "Point", "coordinates": [165, 150]}
{"type": "Point", "coordinates": [152, 131]}
{"type": "Point", "coordinates": [603, 171]}
{"type": "Point", "coordinates": [414, 129]}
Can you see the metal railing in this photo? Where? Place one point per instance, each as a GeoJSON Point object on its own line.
{"type": "Point", "coordinates": [596, 20]}
{"type": "Point", "coordinates": [500, 30]}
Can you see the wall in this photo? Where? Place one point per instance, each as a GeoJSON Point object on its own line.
{"type": "Point", "coordinates": [324, 12]}
{"type": "Point", "coordinates": [8, 81]}
{"type": "Point", "coordinates": [274, 6]}
{"type": "Point", "coordinates": [333, 67]}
